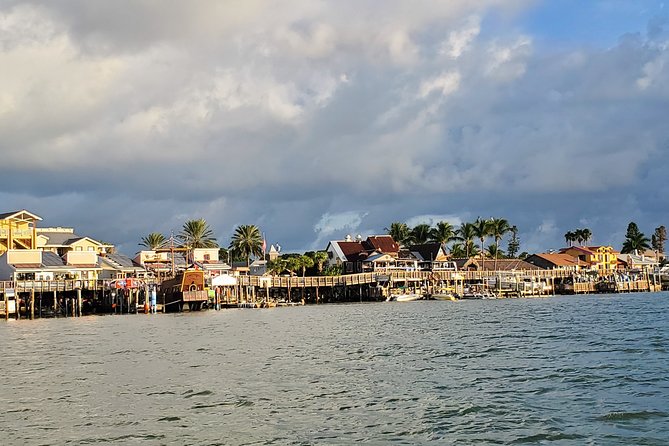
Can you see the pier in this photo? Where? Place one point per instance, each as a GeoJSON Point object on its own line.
{"type": "Point", "coordinates": [72, 298]}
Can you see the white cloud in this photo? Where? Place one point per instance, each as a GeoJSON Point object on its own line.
{"type": "Point", "coordinates": [458, 41]}
{"type": "Point", "coordinates": [433, 219]}
{"type": "Point", "coordinates": [281, 112]}
{"type": "Point", "coordinates": [446, 84]}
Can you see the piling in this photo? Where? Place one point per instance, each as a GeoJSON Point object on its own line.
{"type": "Point", "coordinates": [6, 306]}
{"type": "Point", "coordinates": [79, 302]}
{"type": "Point", "coordinates": [32, 305]}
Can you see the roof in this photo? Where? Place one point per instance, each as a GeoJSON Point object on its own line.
{"type": "Point", "coordinates": [428, 251]}
{"type": "Point", "coordinates": [382, 243]}
{"type": "Point", "coordinates": [380, 257]}
{"type": "Point", "coordinates": [60, 238]}
{"type": "Point", "coordinates": [352, 251]}
{"type": "Point", "coordinates": [118, 262]}
{"type": "Point", "coordinates": [583, 249]}
{"type": "Point", "coordinates": [20, 215]}
{"type": "Point", "coordinates": [559, 259]}
{"type": "Point", "coordinates": [492, 264]}
{"type": "Point", "coordinates": [121, 260]}
{"type": "Point", "coordinates": [51, 259]}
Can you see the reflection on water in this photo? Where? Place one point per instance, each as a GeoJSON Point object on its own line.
{"type": "Point", "coordinates": [564, 370]}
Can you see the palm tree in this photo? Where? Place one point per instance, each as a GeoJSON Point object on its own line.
{"type": "Point", "coordinates": [635, 240]}
{"type": "Point", "coordinates": [586, 234]}
{"type": "Point", "coordinates": [293, 263]}
{"type": "Point", "coordinates": [494, 252]}
{"type": "Point", "coordinates": [305, 262]}
{"type": "Point", "coordinates": [247, 242]}
{"type": "Point", "coordinates": [196, 234]}
{"type": "Point", "coordinates": [498, 228]}
{"type": "Point", "coordinates": [153, 241]}
{"type": "Point", "coordinates": [276, 266]}
{"type": "Point", "coordinates": [467, 233]}
{"type": "Point", "coordinates": [442, 233]}
{"type": "Point", "coordinates": [420, 234]}
{"type": "Point", "coordinates": [482, 230]}
{"type": "Point", "coordinates": [569, 237]}
{"type": "Point", "coordinates": [319, 257]}
{"type": "Point", "coordinates": [399, 232]}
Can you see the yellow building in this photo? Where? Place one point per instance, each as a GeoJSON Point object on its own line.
{"type": "Point", "coordinates": [18, 230]}
{"type": "Point", "coordinates": [602, 259]}
{"type": "Point", "coordinates": [62, 240]}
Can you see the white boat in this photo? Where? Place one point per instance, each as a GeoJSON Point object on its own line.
{"type": "Point", "coordinates": [407, 297]}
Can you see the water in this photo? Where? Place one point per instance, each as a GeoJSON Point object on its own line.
{"type": "Point", "coordinates": [586, 370]}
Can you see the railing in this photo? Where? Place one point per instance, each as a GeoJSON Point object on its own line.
{"type": "Point", "coordinates": [395, 276]}
{"type": "Point", "coordinates": [53, 285]}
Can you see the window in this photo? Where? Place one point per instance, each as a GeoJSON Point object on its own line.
{"type": "Point", "coordinates": [78, 248]}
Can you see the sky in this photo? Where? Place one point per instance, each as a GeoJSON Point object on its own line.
{"type": "Point", "coordinates": [318, 119]}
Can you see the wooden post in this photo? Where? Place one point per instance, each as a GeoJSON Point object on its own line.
{"type": "Point", "coordinates": [32, 304]}
{"type": "Point", "coordinates": [79, 302]}
{"type": "Point", "coordinates": [6, 306]}
{"type": "Point", "coordinates": [317, 298]}
{"type": "Point", "coordinates": [55, 301]}
{"type": "Point", "coordinates": [17, 305]}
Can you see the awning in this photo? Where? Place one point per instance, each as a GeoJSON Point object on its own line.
{"type": "Point", "coordinates": [223, 280]}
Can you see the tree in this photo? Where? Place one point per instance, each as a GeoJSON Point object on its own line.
{"type": "Point", "coordinates": [464, 250]}
{"type": "Point", "coordinates": [581, 236]}
{"type": "Point", "coordinates": [153, 241]}
{"type": "Point", "coordinates": [247, 242]}
{"type": "Point", "coordinates": [293, 264]}
{"type": "Point", "coordinates": [442, 233]}
{"type": "Point", "coordinates": [482, 230]}
{"type": "Point", "coordinates": [659, 238]}
{"type": "Point", "coordinates": [399, 232]}
{"type": "Point", "coordinates": [420, 234]}
{"type": "Point", "coordinates": [493, 252]}
{"type": "Point", "coordinates": [197, 234]}
{"type": "Point", "coordinates": [514, 244]}
{"type": "Point", "coordinates": [570, 237]}
{"type": "Point", "coordinates": [466, 233]}
{"type": "Point", "coordinates": [305, 262]}
{"type": "Point", "coordinates": [276, 266]}
{"type": "Point", "coordinates": [498, 228]}
{"type": "Point", "coordinates": [319, 258]}
{"type": "Point", "coordinates": [635, 240]}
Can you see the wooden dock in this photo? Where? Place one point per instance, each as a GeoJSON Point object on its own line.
{"type": "Point", "coordinates": [31, 298]}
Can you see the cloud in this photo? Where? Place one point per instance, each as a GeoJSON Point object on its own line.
{"type": "Point", "coordinates": [322, 118]}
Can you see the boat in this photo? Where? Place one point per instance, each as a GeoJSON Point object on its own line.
{"type": "Point", "coordinates": [406, 297]}
{"type": "Point", "coordinates": [443, 296]}
{"type": "Point", "coordinates": [186, 291]}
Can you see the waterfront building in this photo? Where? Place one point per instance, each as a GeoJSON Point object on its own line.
{"type": "Point", "coordinates": [551, 260]}
{"type": "Point", "coordinates": [639, 262]}
{"type": "Point", "coordinates": [61, 240]}
{"type": "Point", "coordinates": [351, 254]}
{"type": "Point", "coordinates": [18, 230]}
{"type": "Point", "coordinates": [166, 262]}
{"type": "Point", "coordinates": [602, 259]}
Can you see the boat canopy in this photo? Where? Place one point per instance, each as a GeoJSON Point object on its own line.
{"type": "Point", "coordinates": [223, 280]}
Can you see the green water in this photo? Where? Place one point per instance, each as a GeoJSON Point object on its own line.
{"type": "Point", "coordinates": [565, 370]}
